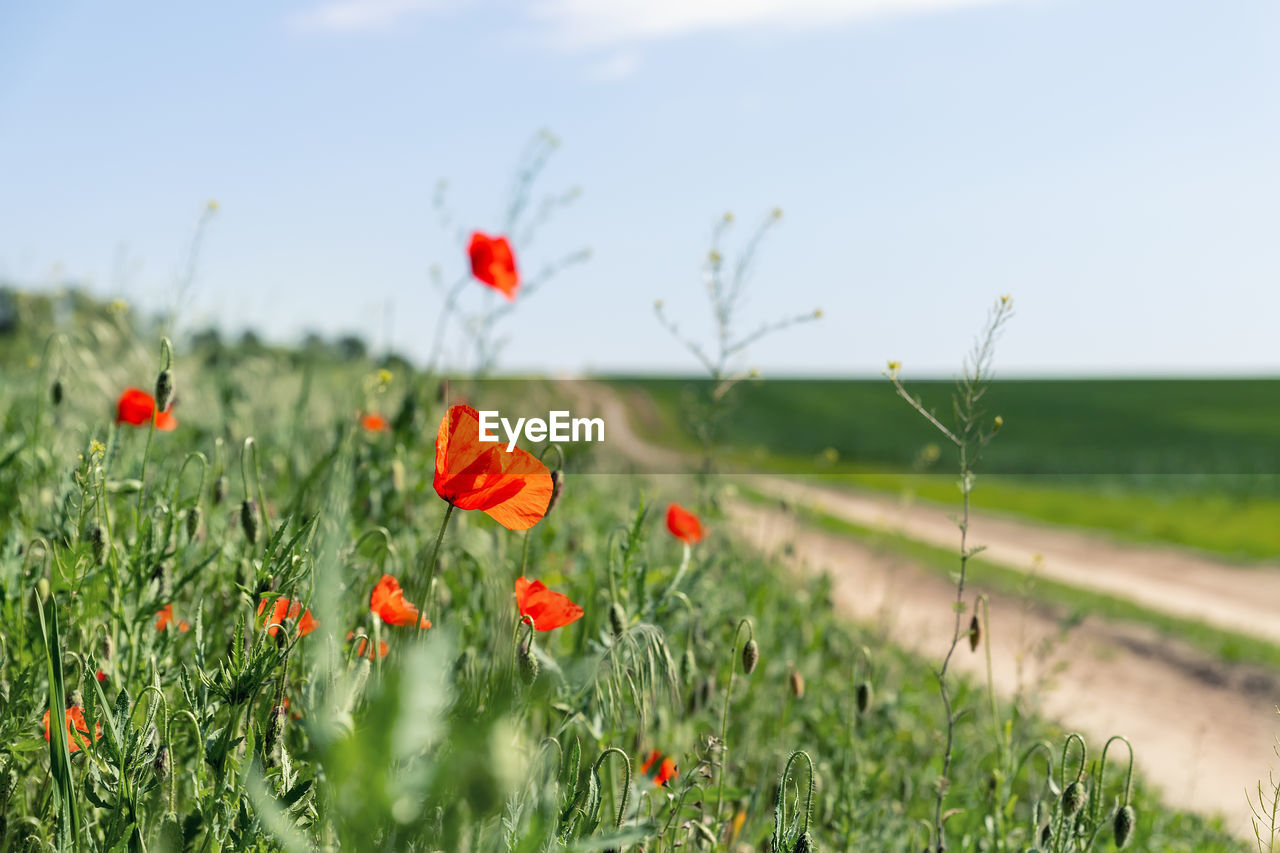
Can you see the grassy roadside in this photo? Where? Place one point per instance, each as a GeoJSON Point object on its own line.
{"type": "Point", "coordinates": [1223, 645]}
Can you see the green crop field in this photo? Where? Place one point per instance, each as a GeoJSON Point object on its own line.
{"type": "Point", "coordinates": [201, 599]}
{"type": "Point", "coordinates": [1188, 462]}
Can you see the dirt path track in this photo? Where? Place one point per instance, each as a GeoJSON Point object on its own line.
{"type": "Point", "coordinates": [1202, 730]}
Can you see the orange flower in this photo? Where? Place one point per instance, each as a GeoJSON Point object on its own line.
{"type": "Point", "coordinates": [664, 772]}
{"type": "Point", "coordinates": [77, 728]}
{"type": "Point", "coordinates": [388, 603]}
{"type": "Point", "coordinates": [684, 525]}
{"type": "Point", "coordinates": [136, 406]}
{"type": "Point", "coordinates": [283, 609]}
{"type": "Point", "coordinates": [375, 423]}
{"type": "Point", "coordinates": [383, 648]}
{"type": "Point", "coordinates": [544, 609]}
{"type": "Point", "coordinates": [165, 616]}
{"type": "Point", "coordinates": [513, 488]}
{"type": "Point", "coordinates": [493, 263]}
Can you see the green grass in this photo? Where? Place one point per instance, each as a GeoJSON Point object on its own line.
{"type": "Point", "coordinates": [1071, 601]}
{"type": "Point", "coordinates": [226, 737]}
{"type": "Point", "coordinates": [1185, 462]}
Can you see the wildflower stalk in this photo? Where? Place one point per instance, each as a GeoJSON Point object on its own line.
{"type": "Point", "coordinates": [780, 802]}
{"type": "Point", "coordinates": [428, 597]}
{"type": "Point", "coordinates": [728, 697]}
{"type": "Point", "coordinates": [970, 435]}
{"type": "Point", "coordinates": [626, 785]}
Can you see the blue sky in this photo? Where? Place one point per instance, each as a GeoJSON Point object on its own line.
{"type": "Point", "coordinates": [1113, 164]}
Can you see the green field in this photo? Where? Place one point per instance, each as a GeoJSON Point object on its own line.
{"type": "Point", "coordinates": [1188, 462]}
{"type": "Point", "coordinates": [226, 737]}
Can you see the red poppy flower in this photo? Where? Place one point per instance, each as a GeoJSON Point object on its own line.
{"type": "Point", "coordinates": [684, 525]}
{"type": "Point", "coordinates": [513, 488]}
{"type": "Point", "coordinates": [493, 263]}
{"type": "Point", "coordinates": [283, 609]}
{"type": "Point", "coordinates": [383, 648]}
{"type": "Point", "coordinates": [136, 406]}
{"type": "Point", "coordinates": [165, 616]}
{"type": "Point", "coordinates": [77, 728]}
{"type": "Point", "coordinates": [375, 423]}
{"type": "Point", "coordinates": [547, 610]}
{"type": "Point", "coordinates": [665, 771]}
{"type": "Point", "coordinates": [388, 603]}
{"type": "Point", "coordinates": [101, 676]}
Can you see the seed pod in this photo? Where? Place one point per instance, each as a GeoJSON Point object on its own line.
{"type": "Point", "coordinates": [688, 665]}
{"type": "Point", "coordinates": [171, 839]}
{"type": "Point", "coordinates": [797, 684]}
{"type": "Point", "coordinates": [249, 520]}
{"type": "Point", "coordinates": [975, 633]}
{"type": "Point", "coordinates": [55, 392]}
{"type": "Point", "coordinates": [750, 656]}
{"type": "Point", "coordinates": [219, 489]}
{"type": "Point", "coordinates": [528, 663]}
{"type": "Point", "coordinates": [193, 522]}
{"type": "Point", "coordinates": [98, 541]}
{"type": "Point", "coordinates": [1123, 825]}
{"type": "Point", "coordinates": [804, 844]}
{"type": "Point", "coordinates": [164, 390]}
{"type": "Point", "coordinates": [557, 484]}
{"type": "Point", "coordinates": [863, 696]}
{"type": "Point", "coordinates": [617, 619]}
{"type": "Point", "coordinates": [1073, 798]}
{"type": "Point", "coordinates": [161, 763]}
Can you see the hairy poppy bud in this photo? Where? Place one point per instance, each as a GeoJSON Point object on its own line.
{"type": "Point", "coordinates": [804, 844]}
{"type": "Point", "coordinates": [41, 592]}
{"type": "Point", "coordinates": [688, 665]}
{"type": "Point", "coordinates": [75, 699]}
{"type": "Point", "coordinates": [528, 663]}
{"type": "Point", "coordinates": [161, 763]}
{"type": "Point", "coordinates": [750, 656]}
{"type": "Point", "coordinates": [193, 522]}
{"type": "Point", "coordinates": [617, 619]}
{"type": "Point", "coordinates": [163, 575]}
{"type": "Point", "coordinates": [249, 520]}
{"type": "Point", "coordinates": [55, 392]}
{"type": "Point", "coordinates": [975, 633]}
{"type": "Point", "coordinates": [797, 684]}
{"type": "Point", "coordinates": [164, 390]}
{"type": "Point", "coordinates": [1073, 798]}
{"type": "Point", "coordinates": [1123, 825]}
{"type": "Point", "coordinates": [98, 541]}
{"type": "Point", "coordinates": [171, 837]}
{"type": "Point", "coordinates": [1046, 835]}
{"type": "Point", "coordinates": [219, 489]}
{"type": "Point", "coordinates": [557, 483]}
{"type": "Point", "coordinates": [863, 696]}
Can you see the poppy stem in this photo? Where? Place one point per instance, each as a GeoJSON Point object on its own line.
{"type": "Point", "coordinates": [728, 697]}
{"type": "Point", "coordinates": [428, 598]}
{"type": "Point", "coordinates": [524, 552]}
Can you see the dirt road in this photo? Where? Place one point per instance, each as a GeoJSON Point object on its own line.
{"type": "Point", "coordinates": [1202, 730]}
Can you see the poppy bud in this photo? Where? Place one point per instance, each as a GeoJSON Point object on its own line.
{"type": "Point", "coordinates": [98, 541]}
{"type": "Point", "coordinates": [398, 482]}
{"type": "Point", "coordinates": [193, 522]}
{"type": "Point", "coordinates": [249, 520]}
{"type": "Point", "coordinates": [171, 836]}
{"type": "Point", "coordinates": [219, 489]}
{"type": "Point", "coordinates": [688, 665]}
{"type": "Point", "coordinates": [161, 763]}
{"type": "Point", "coordinates": [617, 619]}
{"type": "Point", "coordinates": [1123, 825]}
{"type": "Point", "coordinates": [975, 633]}
{"type": "Point", "coordinates": [41, 591]}
{"type": "Point", "coordinates": [75, 699]}
{"type": "Point", "coordinates": [162, 575]}
{"type": "Point", "coordinates": [108, 647]}
{"type": "Point", "coordinates": [750, 656]}
{"type": "Point", "coordinates": [528, 663]}
{"type": "Point", "coordinates": [164, 390]}
{"type": "Point", "coordinates": [275, 731]}
{"type": "Point", "coordinates": [797, 684]}
{"type": "Point", "coordinates": [863, 696]}
{"type": "Point", "coordinates": [804, 844]}
{"type": "Point", "coordinates": [557, 483]}
{"type": "Point", "coordinates": [1046, 835]}
{"type": "Point", "coordinates": [55, 392]}
{"type": "Point", "coordinates": [1073, 798]}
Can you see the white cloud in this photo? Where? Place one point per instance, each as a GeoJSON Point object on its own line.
{"type": "Point", "coordinates": [597, 23]}
{"type": "Point", "coordinates": [344, 16]}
